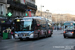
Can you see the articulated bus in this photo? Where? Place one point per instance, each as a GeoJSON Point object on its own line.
{"type": "Point", "coordinates": [69, 29]}
{"type": "Point", "coordinates": [32, 28]}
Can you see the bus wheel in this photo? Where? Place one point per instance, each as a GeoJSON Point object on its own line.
{"type": "Point", "coordinates": [50, 35]}
{"type": "Point", "coordinates": [64, 36]}
{"type": "Point", "coordinates": [38, 36]}
{"type": "Point", "coordinates": [21, 39]}
{"type": "Point", "coordinates": [45, 35]}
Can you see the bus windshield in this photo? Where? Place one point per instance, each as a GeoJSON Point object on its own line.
{"type": "Point", "coordinates": [70, 27]}
{"type": "Point", "coordinates": [27, 25]}
{"type": "Point", "coordinates": [23, 25]}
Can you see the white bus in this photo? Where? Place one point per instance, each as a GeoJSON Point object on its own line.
{"type": "Point", "coordinates": [31, 27]}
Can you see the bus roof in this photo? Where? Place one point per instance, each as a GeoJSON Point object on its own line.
{"type": "Point", "coordinates": [31, 18]}
{"type": "Point", "coordinates": [69, 22]}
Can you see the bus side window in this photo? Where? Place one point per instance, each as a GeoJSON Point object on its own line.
{"type": "Point", "coordinates": [37, 24]}
{"type": "Point", "coordinates": [33, 24]}
{"type": "Point", "coordinates": [49, 27]}
{"type": "Point", "coordinates": [44, 27]}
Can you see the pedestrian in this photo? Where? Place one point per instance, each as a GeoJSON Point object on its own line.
{"type": "Point", "coordinates": [12, 32]}
{"type": "Point", "coordinates": [9, 32]}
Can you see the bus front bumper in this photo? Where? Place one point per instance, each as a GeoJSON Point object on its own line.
{"type": "Point", "coordinates": [24, 37]}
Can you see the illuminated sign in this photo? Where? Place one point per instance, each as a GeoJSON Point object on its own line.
{"type": "Point", "coordinates": [18, 20]}
{"type": "Point", "coordinates": [26, 14]}
{"type": "Point", "coordinates": [2, 21]}
{"type": "Point", "coordinates": [9, 14]}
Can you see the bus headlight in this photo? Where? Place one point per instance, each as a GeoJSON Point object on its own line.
{"type": "Point", "coordinates": [16, 34]}
{"type": "Point", "coordinates": [31, 34]}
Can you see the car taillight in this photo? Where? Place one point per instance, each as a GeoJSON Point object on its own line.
{"type": "Point", "coordinates": [64, 31]}
{"type": "Point", "coordinates": [72, 32]}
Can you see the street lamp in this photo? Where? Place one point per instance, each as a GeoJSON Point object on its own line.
{"type": "Point", "coordinates": [49, 16]}
{"type": "Point", "coordinates": [41, 10]}
{"type": "Point", "coordinates": [57, 22]}
{"type": "Point", "coordinates": [47, 13]}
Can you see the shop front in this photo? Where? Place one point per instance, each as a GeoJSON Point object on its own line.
{"type": "Point", "coordinates": [31, 9]}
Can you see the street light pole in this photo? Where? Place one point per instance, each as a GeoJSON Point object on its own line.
{"type": "Point", "coordinates": [57, 22]}
{"type": "Point", "coordinates": [51, 18]}
{"type": "Point", "coordinates": [47, 13]}
{"type": "Point", "coordinates": [41, 10]}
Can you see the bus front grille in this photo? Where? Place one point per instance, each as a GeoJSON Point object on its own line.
{"type": "Point", "coordinates": [24, 34]}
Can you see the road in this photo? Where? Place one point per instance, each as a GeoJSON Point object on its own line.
{"type": "Point", "coordinates": [56, 42]}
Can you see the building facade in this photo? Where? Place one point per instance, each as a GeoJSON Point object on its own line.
{"type": "Point", "coordinates": [61, 18]}
{"type": "Point", "coordinates": [31, 7]}
{"type": "Point", "coordinates": [3, 7]}
{"type": "Point", "coordinates": [18, 7]}
{"type": "Point", "coordinates": [47, 15]}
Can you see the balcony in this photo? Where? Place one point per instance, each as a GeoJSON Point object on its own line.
{"type": "Point", "coordinates": [3, 1]}
{"type": "Point", "coordinates": [30, 1]}
{"type": "Point", "coordinates": [31, 5]}
{"type": "Point", "coordinates": [16, 5]}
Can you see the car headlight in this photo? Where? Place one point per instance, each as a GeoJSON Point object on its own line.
{"type": "Point", "coordinates": [16, 34]}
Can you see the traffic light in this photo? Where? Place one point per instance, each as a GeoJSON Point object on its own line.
{"type": "Point", "coordinates": [9, 14]}
{"type": "Point", "coordinates": [26, 14]}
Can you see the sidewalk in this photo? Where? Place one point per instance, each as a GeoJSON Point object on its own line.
{"type": "Point", "coordinates": [6, 40]}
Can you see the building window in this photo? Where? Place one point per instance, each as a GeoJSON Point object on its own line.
{"type": "Point", "coordinates": [33, 0]}
{"type": "Point", "coordinates": [16, 0]}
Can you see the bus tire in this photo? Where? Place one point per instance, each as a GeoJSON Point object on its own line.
{"type": "Point", "coordinates": [50, 35]}
{"type": "Point", "coordinates": [64, 36]}
{"type": "Point", "coordinates": [45, 35]}
{"type": "Point", "coordinates": [38, 36]}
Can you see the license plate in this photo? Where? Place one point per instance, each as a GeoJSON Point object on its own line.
{"type": "Point", "coordinates": [25, 35]}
